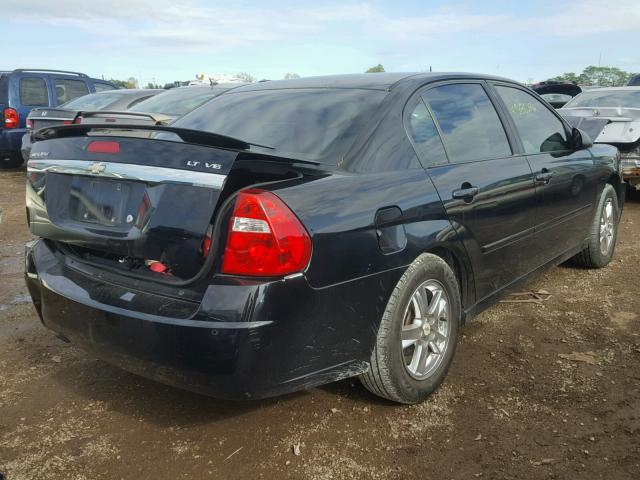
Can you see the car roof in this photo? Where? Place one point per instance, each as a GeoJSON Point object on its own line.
{"type": "Point", "coordinates": [371, 81]}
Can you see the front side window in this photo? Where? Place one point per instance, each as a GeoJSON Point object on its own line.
{"type": "Point", "coordinates": [33, 92]}
{"type": "Point", "coordinates": [425, 136]}
{"type": "Point", "coordinates": [469, 123]}
{"type": "Point", "coordinates": [67, 90]}
{"type": "Point", "coordinates": [539, 129]}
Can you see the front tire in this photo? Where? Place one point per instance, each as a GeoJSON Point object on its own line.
{"type": "Point", "coordinates": [418, 333]}
{"type": "Point", "coordinates": [603, 234]}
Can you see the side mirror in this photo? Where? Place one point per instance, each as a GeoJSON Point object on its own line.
{"type": "Point", "coordinates": [580, 139]}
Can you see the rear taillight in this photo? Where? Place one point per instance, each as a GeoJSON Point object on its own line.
{"type": "Point", "coordinates": [103, 147]}
{"type": "Point", "coordinates": [67, 122]}
{"type": "Point", "coordinates": [11, 118]}
{"type": "Point", "coordinates": [265, 238]}
{"type": "Point", "coordinates": [29, 123]}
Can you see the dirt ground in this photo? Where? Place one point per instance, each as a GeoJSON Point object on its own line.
{"type": "Point", "coordinates": [535, 391]}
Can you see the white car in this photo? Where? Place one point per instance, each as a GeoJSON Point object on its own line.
{"type": "Point", "coordinates": [613, 113]}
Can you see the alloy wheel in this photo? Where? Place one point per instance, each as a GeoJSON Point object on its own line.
{"type": "Point", "coordinates": [607, 228]}
{"type": "Point", "coordinates": [426, 329]}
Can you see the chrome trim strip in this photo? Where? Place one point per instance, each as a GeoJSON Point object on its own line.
{"type": "Point", "coordinates": [128, 171]}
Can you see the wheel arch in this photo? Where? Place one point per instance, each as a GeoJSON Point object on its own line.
{"type": "Point", "coordinates": [616, 182]}
{"type": "Point", "coordinates": [462, 271]}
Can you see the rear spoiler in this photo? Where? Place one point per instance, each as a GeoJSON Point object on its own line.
{"type": "Point", "coordinates": [99, 113]}
{"type": "Point", "coordinates": [187, 135]}
{"type": "Point", "coordinates": [35, 113]}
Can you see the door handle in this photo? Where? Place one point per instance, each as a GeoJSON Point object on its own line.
{"type": "Point", "coordinates": [544, 176]}
{"type": "Point", "coordinates": [466, 193]}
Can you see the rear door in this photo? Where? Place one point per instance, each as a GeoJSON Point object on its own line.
{"type": "Point", "coordinates": [566, 180]}
{"type": "Point", "coordinates": [487, 190]}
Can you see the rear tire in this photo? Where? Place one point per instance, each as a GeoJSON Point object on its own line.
{"type": "Point", "coordinates": [603, 234]}
{"type": "Point", "coordinates": [10, 161]}
{"type": "Point", "coordinates": [418, 333]}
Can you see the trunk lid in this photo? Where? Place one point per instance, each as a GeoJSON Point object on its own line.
{"type": "Point", "coordinates": [619, 125]}
{"type": "Point", "coordinates": [128, 199]}
{"type": "Point", "coordinates": [50, 117]}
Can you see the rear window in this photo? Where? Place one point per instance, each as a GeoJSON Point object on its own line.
{"type": "Point", "coordinates": [67, 90]}
{"type": "Point", "coordinates": [103, 87]}
{"type": "Point", "coordinates": [606, 99]}
{"type": "Point", "coordinates": [318, 124]}
{"type": "Point", "coordinates": [33, 92]}
{"type": "Point", "coordinates": [470, 125]}
{"type": "Point", "coordinates": [93, 101]}
{"type": "Point", "coordinates": [177, 102]}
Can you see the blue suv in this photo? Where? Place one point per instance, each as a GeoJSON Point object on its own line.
{"type": "Point", "coordinates": [24, 89]}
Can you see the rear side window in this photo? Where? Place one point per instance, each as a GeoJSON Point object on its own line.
{"type": "Point", "coordinates": [103, 87]}
{"type": "Point", "coordinates": [539, 129]}
{"type": "Point", "coordinates": [469, 123]}
{"type": "Point", "coordinates": [69, 89]}
{"type": "Point", "coordinates": [424, 135]}
{"type": "Point", "coordinates": [33, 92]}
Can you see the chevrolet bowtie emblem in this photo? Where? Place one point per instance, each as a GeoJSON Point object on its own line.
{"type": "Point", "coordinates": [97, 168]}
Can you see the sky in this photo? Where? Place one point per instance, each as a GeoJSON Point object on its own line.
{"type": "Point", "coordinates": [166, 40]}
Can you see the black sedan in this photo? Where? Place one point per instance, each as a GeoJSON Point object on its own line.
{"type": "Point", "coordinates": [292, 233]}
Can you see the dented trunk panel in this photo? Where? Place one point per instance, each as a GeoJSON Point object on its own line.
{"type": "Point", "coordinates": [151, 200]}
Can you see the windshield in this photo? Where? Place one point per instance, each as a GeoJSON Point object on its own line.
{"type": "Point", "coordinates": [177, 102]}
{"type": "Point", "coordinates": [318, 124]}
{"type": "Point", "coordinates": [606, 98]}
{"type": "Point", "coordinates": [94, 101]}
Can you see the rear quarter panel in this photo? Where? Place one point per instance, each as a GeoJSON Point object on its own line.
{"type": "Point", "coordinates": [339, 212]}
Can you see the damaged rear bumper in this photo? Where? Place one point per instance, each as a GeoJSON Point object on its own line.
{"type": "Point", "coordinates": [242, 340]}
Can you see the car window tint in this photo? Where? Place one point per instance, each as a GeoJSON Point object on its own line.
{"type": "Point", "coordinates": [318, 124]}
{"type": "Point", "coordinates": [103, 87]}
{"type": "Point", "coordinates": [539, 129]}
{"type": "Point", "coordinates": [33, 92]}
{"type": "Point", "coordinates": [425, 136]}
{"type": "Point", "coordinates": [93, 101]}
{"type": "Point", "coordinates": [469, 123]}
{"type": "Point", "coordinates": [69, 89]}
{"type": "Point", "coordinates": [178, 101]}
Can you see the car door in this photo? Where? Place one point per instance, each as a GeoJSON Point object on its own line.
{"type": "Point", "coordinates": [487, 191]}
{"type": "Point", "coordinates": [566, 180]}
